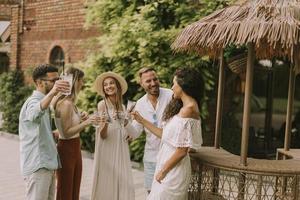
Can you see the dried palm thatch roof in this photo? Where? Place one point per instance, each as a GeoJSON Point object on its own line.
{"type": "Point", "coordinates": [272, 25]}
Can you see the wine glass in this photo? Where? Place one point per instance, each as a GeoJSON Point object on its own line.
{"type": "Point", "coordinates": [96, 124]}
{"type": "Point", "coordinates": [105, 116]}
{"type": "Point", "coordinates": [129, 108]}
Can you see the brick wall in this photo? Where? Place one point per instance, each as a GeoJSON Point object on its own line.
{"type": "Point", "coordinates": [14, 37]}
{"type": "Point", "coordinates": [50, 23]}
{"type": "Point", "coordinates": [5, 9]}
{"type": "Point", "coordinates": [54, 15]}
{"type": "Point", "coordinates": [35, 52]}
{"type": "Point", "coordinates": [5, 12]}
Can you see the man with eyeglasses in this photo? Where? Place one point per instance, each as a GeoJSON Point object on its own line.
{"type": "Point", "coordinates": [151, 106]}
{"type": "Point", "coordinates": [38, 154]}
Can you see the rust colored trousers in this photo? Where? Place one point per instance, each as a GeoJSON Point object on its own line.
{"type": "Point", "coordinates": [69, 176]}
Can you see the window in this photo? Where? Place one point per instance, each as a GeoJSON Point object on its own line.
{"type": "Point", "coordinates": [57, 56]}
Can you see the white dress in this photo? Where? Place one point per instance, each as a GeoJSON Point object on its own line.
{"type": "Point", "coordinates": [178, 132]}
{"type": "Point", "coordinates": [112, 177]}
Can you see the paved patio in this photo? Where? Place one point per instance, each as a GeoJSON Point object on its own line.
{"type": "Point", "coordinates": [11, 183]}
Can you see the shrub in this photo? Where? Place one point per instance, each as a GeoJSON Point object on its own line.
{"type": "Point", "coordinates": [13, 94]}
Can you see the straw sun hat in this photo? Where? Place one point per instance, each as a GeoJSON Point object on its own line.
{"type": "Point", "coordinates": [98, 85]}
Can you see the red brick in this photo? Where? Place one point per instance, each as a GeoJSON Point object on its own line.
{"type": "Point", "coordinates": [38, 26]}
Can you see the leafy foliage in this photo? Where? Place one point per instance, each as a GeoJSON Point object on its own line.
{"type": "Point", "coordinates": [137, 148]}
{"type": "Point", "coordinates": [137, 33]}
{"type": "Point", "coordinates": [13, 94]}
{"type": "Point", "coordinates": [210, 6]}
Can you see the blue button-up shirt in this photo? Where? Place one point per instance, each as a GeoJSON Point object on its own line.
{"type": "Point", "coordinates": [37, 146]}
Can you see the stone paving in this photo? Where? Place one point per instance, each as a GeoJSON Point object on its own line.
{"type": "Point", "coordinates": [12, 185]}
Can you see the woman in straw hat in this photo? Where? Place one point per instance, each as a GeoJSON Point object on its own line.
{"type": "Point", "coordinates": [182, 131]}
{"type": "Point", "coordinates": [70, 122]}
{"type": "Point", "coordinates": [112, 168]}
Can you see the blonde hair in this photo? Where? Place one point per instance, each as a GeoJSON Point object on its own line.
{"type": "Point", "coordinates": [144, 70]}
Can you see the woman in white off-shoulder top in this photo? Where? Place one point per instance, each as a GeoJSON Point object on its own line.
{"type": "Point", "coordinates": [181, 132]}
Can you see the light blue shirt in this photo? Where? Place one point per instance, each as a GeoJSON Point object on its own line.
{"type": "Point", "coordinates": [37, 146]}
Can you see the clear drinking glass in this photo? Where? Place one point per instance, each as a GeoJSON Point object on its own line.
{"type": "Point", "coordinates": [129, 108]}
{"type": "Point", "coordinates": [95, 124]}
{"type": "Point", "coordinates": [105, 116]}
{"type": "Point", "coordinates": [69, 78]}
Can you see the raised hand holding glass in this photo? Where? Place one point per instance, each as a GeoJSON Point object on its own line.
{"type": "Point", "coordinates": [69, 79]}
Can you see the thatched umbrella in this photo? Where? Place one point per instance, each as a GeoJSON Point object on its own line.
{"type": "Point", "coordinates": [270, 28]}
{"type": "Point", "coordinates": [271, 25]}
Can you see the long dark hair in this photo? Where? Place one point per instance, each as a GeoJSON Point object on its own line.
{"type": "Point", "coordinates": [191, 82]}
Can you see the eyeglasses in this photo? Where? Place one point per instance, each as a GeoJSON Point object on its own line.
{"type": "Point", "coordinates": [51, 80]}
{"type": "Point", "coordinates": [154, 117]}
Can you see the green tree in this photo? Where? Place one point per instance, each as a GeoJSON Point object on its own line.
{"type": "Point", "coordinates": [137, 33]}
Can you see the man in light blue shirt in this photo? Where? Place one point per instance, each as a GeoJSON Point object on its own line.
{"type": "Point", "coordinates": [39, 156]}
